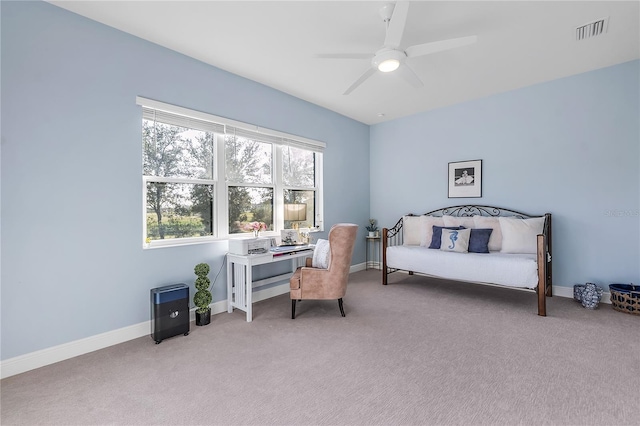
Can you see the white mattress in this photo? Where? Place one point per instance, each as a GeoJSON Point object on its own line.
{"type": "Point", "coordinates": [512, 270]}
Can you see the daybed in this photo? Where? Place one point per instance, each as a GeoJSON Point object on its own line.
{"type": "Point", "coordinates": [471, 243]}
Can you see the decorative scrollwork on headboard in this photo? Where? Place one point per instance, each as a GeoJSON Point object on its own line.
{"type": "Point", "coordinates": [476, 210]}
{"type": "Point", "coordinates": [466, 210]}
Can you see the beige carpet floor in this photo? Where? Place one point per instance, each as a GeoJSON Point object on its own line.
{"type": "Point", "coordinates": [416, 352]}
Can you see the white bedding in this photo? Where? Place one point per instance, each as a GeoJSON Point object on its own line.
{"type": "Point", "coordinates": [512, 270]}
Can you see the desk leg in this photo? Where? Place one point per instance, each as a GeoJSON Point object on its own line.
{"type": "Point", "coordinates": [240, 282]}
{"type": "Point", "coordinates": [248, 287]}
{"type": "Point", "coordinates": [229, 286]}
{"type": "Point", "coordinates": [239, 288]}
{"type": "Point", "coordinates": [297, 263]}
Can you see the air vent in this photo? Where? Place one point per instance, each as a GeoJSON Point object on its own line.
{"type": "Point", "coordinates": [592, 29]}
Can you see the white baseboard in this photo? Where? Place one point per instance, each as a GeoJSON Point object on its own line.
{"type": "Point", "coordinates": [568, 292]}
{"type": "Point", "coordinates": [37, 359]}
{"type": "Point", "coordinates": [33, 360]}
{"type": "Point", "coordinates": [43, 357]}
{"type": "Point", "coordinates": [358, 267]}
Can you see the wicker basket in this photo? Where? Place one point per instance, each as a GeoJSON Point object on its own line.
{"type": "Point", "coordinates": [625, 298]}
{"type": "Point", "coordinates": [577, 292]}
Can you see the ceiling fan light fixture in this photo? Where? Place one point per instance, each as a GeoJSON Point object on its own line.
{"type": "Point", "coordinates": [389, 65]}
{"type": "Point", "coordinates": [392, 57]}
{"type": "Point", "coordinates": [387, 60]}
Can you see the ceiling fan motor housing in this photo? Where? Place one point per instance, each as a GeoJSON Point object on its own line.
{"type": "Point", "coordinates": [391, 57]}
{"type": "Point", "coordinates": [387, 59]}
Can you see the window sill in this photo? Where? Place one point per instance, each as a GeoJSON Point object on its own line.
{"type": "Point", "coordinates": [160, 244]}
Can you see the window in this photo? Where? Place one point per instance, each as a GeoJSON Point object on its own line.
{"type": "Point", "coordinates": [207, 177]}
{"type": "Point", "coordinates": [249, 175]}
{"type": "Point", "coordinates": [178, 167]}
{"type": "Point", "coordinates": [298, 176]}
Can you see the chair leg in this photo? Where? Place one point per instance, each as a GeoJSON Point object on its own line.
{"type": "Point", "coordinates": [293, 308]}
{"type": "Point", "coordinates": [341, 307]}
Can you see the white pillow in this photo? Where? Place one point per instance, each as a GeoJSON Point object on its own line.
{"type": "Point", "coordinates": [519, 235]}
{"type": "Point", "coordinates": [466, 221]}
{"type": "Point", "coordinates": [495, 241]}
{"type": "Point", "coordinates": [411, 230]}
{"type": "Point", "coordinates": [427, 229]}
{"type": "Point", "coordinates": [321, 254]}
{"type": "Point", "coordinates": [455, 240]}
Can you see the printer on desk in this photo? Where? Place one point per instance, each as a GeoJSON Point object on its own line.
{"type": "Point", "coordinates": [245, 246]}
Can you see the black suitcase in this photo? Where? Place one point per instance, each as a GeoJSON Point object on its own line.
{"type": "Point", "coordinates": [169, 311]}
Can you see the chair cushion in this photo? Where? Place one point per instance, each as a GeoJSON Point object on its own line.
{"type": "Point", "coordinates": [321, 254]}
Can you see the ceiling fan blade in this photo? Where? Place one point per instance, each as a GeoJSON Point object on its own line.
{"type": "Point", "coordinates": [361, 80]}
{"type": "Point", "coordinates": [344, 55]}
{"type": "Point", "coordinates": [438, 46]}
{"type": "Point", "coordinates": [406, 73]}
{"type": "Point", "coordinates": [396, 25]}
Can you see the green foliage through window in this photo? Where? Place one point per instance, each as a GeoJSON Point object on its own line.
{"type": "Point", "coordinates": [175, 209]}
{"type": "Point", "coordinates": [206, 176]}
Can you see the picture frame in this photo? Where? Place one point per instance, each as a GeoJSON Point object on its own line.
{"type": "Point", "coordinates": [289, 237]}
{"type": "Point", "coordinates": [465, 179]}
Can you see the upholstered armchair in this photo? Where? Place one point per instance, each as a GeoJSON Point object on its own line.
{"type": "Point", "coordinates": [331, 283]}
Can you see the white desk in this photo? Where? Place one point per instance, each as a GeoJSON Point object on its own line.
{"type": "Point", "coordinates": [240, 282]}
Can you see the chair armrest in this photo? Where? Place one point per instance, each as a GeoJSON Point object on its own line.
{"type": "Point", "coordinates": [308, 273]}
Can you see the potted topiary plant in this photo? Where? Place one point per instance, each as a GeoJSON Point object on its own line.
{"type": "Point", "coordinates": [372, 228]}
{"type": "Point", "coordinates": [202, 298]}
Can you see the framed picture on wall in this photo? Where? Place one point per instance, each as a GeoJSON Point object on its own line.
{"type": "Point", "coordinates": [465, 179]}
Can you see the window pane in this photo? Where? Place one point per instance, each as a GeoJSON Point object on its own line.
{"type": "Point", "coordinates": [248, 205]}
{"type": "Point", "coordinates": [179, 210]}
{"type": "Point", "coordinates": [299, 209]}
{"type": "Point", "coordinates": [247, 161]}
{"type": "Point", "coordinates": [298, 166]}
{"type": "Point", "coordinates": [173, 151]}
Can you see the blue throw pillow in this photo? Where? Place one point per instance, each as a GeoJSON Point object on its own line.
{"type": "Point", "coordinates": [479, 240]}
{"type": "Point", "coordinates": [437, 235]}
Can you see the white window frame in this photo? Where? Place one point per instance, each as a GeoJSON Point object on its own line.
{"type": "Point", "coordinates": [220, 126]}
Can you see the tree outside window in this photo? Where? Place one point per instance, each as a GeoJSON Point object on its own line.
{"type": "Point", "coordinates": [175, 160]}
{"type": "Point", "coordinates": [206, 177]}
{"type": "Point", "coordinates": [249, 162]}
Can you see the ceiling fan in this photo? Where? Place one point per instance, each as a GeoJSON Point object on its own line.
{"type": "Point", "coordinates": [390, 58]}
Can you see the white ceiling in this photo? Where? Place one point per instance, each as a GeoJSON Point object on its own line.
{"type": "Point", "coordinates": [519, 44]}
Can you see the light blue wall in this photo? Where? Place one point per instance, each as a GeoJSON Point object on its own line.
{"type": "Point", "coordinates": [72, 265]}
{"type": "Point", "coordinates": [72, 262]}
{"type": "Point", "coordinates": [570, 147]}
